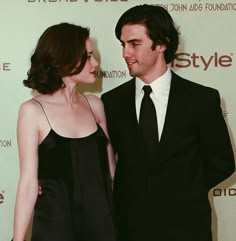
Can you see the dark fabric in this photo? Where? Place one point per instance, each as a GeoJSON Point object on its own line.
{"type": "Point", "coordinates": [76, 204]}
{"type": "Point", "coordinates": [167, 199]}
{"type": "Point", "coordinates": [148, 122]}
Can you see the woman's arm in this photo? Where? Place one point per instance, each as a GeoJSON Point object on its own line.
{"type": "Point", "coordinates": [27, 191]}
{"type": "Point", "coordinates": [98, 110]}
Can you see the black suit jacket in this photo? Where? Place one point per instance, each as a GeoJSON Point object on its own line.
{"type": "Point", "coordinates": [166, 199]}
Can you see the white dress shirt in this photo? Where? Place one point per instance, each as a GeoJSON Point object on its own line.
{"type": "Point", "coordinates": [160, 95]}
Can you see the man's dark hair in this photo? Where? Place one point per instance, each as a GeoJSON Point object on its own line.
{"type": "Point", "coordinates": [160, 26]}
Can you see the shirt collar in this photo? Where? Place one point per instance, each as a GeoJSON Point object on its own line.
{"type": "Point", "coordinates": [158, 85]}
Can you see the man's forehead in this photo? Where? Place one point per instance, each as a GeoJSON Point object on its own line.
{"type": "Point", "coordinates": [134, 31]}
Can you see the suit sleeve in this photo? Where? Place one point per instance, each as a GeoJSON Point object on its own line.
{"type": "Point", "coordinates": [215, 142]}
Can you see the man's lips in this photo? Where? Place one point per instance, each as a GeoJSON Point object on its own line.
{"type": "Point", "coordinates": [130, 62]}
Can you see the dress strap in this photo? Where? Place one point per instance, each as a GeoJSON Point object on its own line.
{"type": "Point", "coordinates": [89, 107]}
{"type": "Point", "coordinates": [43, 112]}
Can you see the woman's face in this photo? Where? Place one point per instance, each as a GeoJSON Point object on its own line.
{"type": "Point", "coordinates": [88, 73]}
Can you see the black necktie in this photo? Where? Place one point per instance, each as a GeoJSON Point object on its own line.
{"type": "Point", "coordinates": [148, 121]}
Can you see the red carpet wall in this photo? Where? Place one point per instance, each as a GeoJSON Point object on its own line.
{"type": "Point", "coordinates": [206, 55]}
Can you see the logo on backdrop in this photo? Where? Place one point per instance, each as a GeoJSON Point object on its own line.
{"type": "Point", "coordinates": [230, 192]}
{"type": "Point", "coordinates": [73, 1]}
{"type": "Point", "coordinates": [204, 62]}
{"type": "Point", "coordinates": [199, 7]}
{"type": "Point", "coordinates": [5, 143]}
{"type": "Point", "coordinates": [2, 197]}
{"type": "Point", "coordinates": [5, 66]}
{"type": "Point", "coordinates": [115, 74]}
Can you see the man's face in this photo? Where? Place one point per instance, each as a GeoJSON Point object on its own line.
{"type": "Point", "coordinates": [142, 61]}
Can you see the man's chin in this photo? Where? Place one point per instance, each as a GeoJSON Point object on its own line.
{"type": "Point", "coordinates": [132, 73]}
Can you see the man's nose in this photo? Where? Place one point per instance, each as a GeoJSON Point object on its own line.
{"type": "Point", "coordinates": [126, 52]}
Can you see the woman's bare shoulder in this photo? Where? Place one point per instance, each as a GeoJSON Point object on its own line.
{"type": "Point", "coordinates": [97, 106]}
{"type": "Point", "coordinates": [94, 100]}
{"type": "Point", "coordinates": [30, 108]}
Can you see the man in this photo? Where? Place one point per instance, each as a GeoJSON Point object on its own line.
{"type": "Point", "coordinates": [161, 186]}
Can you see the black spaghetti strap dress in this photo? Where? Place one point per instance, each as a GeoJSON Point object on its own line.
{"type": "Point", "coordinates": [76, 201]}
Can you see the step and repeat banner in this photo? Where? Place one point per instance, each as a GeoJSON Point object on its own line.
{"type": "Point", "coordinates": [206, 55]}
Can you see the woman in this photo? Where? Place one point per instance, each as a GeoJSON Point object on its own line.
{"type": "Point", "coordinates": [63, 144]}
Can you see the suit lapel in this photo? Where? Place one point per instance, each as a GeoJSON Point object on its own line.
{"type": "Point", "coordinates": [128, 105]}
{"type": "Point", "coordinates": [129, 108]}
{"type": "Point", "coordinates": [171, 118]}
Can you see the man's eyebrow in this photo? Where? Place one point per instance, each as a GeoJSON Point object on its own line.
{"type": "Point", "coordinates": [132, 40]}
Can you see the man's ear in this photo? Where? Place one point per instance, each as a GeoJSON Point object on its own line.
{"type": "Point", "coordinates": [161, 48]}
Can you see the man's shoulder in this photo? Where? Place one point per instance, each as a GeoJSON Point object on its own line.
{"type": "Point", "coordinates": [119, 90]}
{"type": "Point", "coordinates": [190, 85]}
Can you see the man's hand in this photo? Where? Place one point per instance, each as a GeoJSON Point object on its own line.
{"type": "Point", "coordinates": [40, 192]}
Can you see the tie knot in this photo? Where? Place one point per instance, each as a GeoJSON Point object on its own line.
{"type": "Point", "coordinates": [147, 89]}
